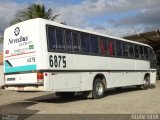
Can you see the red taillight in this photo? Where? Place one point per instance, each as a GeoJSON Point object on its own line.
{"type": "Point", "coordinates": [40, 77]}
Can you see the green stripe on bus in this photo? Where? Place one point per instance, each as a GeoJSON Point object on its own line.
{"type": "Point", "coordinates": [20, 68]}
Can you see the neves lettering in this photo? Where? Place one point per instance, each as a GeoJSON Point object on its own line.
{"type": "Point", "coordinates": [17, 40]}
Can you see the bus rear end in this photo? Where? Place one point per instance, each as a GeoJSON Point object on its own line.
{"type": "Point", "coordinates": [20, 57]}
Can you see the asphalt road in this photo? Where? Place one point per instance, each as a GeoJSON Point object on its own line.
{"type": "Point", "coordinates": [119, 104]}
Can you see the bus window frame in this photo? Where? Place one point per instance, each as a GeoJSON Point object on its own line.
{"type": "Point", "coordinates": [98, 49]}
{"type": "Point", "coordinates": [106, 39]}
{"type": "Point", "coordinates": [125, 50]}
{"type": "Point", "coordinates": [79, 44]}
{"type": "Point", "coordinates": [62, 30]}
{"type": "Point", "coordinates": [68, 30]}
{"type": "Point", "coordinates": [116, 42]}
{"type": "Point", "coordinates": [47, 36]}
{"type": "Point", "coordinates": [80, 37]}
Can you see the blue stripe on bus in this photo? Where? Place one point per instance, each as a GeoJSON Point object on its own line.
{"type": "Point", "coordinates": [20, 68]}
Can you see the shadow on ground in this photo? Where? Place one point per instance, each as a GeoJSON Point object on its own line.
{"type": "Point", "coordinates": [18, 109]}
{"type": "Point", "coordinates": [51, 98]}
{"type": "Point", "coordinates": [117, 91]}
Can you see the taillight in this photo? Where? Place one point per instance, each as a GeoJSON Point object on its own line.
{"type": "Point", "coordinates": [40, 77]}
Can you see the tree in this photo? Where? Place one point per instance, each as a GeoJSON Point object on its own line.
{"type": "Point", "coordinates": [34, 11]}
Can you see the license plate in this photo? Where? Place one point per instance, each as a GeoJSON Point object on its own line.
{"type": "Point", "coordinates": [10, 79]}
{"type": "Point", "coordinates": [20, 88]}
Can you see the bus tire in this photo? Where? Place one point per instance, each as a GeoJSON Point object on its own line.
{"type": "Point", "coordinates": [98, 88]}
{"type": "Point", "coordinates": [146, 81]}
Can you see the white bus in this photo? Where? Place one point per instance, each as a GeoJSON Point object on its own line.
{"type": "Point", "coordinates": [42, 55]}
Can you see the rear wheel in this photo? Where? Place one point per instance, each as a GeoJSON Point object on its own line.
{"type": "Point", "coordinates": [146, 83]}
{"type": "Point", "coordinates": [98, 88]}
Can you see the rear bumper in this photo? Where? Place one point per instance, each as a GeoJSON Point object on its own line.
{"type": "Point", "coordinates": [26, 81]}
{"type": "Point", "coordinates": [25, 87]}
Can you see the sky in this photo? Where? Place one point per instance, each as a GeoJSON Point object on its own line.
{"type": "Point", "coordinates": [113, 17]}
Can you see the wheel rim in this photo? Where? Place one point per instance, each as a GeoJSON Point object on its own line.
{"type": "Point", "coordinates": [99, 89]}
{"type": "Point", "coordinates": [145, 81]}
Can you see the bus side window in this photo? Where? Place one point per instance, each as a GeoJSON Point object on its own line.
{"type": "Point", "coordinates": [111, 49]}
{"type": "Point", "coordinates": [68, 40]}
{"type": "Point", "coordinates": [85, 43]}
{"type": "Point", "coordinates": [141, 52]}
{"type": "Point", "coordinates": [145, 53]}
{"type": "Point", "coordinates": [125, 49]}
{"type": "Point", "coordinates": [152, 58]}
{"type": "Point", "coordinates": [60, 39]}
{"type": "Point", "coordinates": [118, 48]}
{"type": "Point", "coordinates": [52, 38]}
{"type": "Point", "coordinates": [76, 46]}
{"type": "Point", "coordinates": [94, 44]}
{"type": "Point", "coordinates": [131, 52]}
{"type": "Point", "coordinates": [103, 46]}
{"type": "Point", "coordinates": [136, 51]}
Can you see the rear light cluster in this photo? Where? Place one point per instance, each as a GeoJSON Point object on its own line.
{"type": "Point", "coordinates": [40, 77]}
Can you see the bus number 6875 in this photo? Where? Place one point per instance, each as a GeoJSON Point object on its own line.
{"type": "Point", "coordinates": [57, 61]}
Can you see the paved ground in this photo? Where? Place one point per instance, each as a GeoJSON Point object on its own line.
{"type": "Point", "coordinates": [125, 101]}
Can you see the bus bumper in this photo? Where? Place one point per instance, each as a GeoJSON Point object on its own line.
{"type": "Point", "coordinates": [25, 88]}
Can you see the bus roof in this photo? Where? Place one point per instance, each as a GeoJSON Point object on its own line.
{"type": "Point", "coordinates": [49, 22]}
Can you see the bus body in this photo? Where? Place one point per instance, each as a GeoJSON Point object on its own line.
{"type": "Point", "coordinates": [42, 55]}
